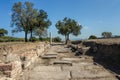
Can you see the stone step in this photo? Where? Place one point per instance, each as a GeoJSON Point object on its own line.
{"type": "Point", "coordinates": [63, 75]}
{"type": "Point", "coordinates": [51, 53]}
{"type": "Point", "coordinates": [83, 64]}
{"type": "Point", "coordinates": [88, 66]}
{"type": "Point", "coordinates": [47, 68]}
{"type": "Point", "coordinates": [107, 78]}
{"type": "Point", "coordinates": [90, 75]}
{"type": "Point", "coordinates": [71, 59]}
{"type": "Point", "coordinates": [78, 68]}
{"type": "Point", "coordinates": [49, 56]}
{"type": "Point", "coordinates": [63, 62]}
{"type": "Point", "coordinates": [51, 79]}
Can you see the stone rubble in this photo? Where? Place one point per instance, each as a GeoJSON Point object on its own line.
{"type": "Point", "coordinates": [18, 57]}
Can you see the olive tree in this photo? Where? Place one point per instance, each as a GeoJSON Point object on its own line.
{"type": "Point", "coordinates": [106, 34]}
{"type": "Point", "coordinates": [3, 32]}
{"type": "Point", "coordinates": [68, 26]}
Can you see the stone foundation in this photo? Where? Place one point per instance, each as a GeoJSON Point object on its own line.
{"type": "Point", "coordinates": [17, 57]}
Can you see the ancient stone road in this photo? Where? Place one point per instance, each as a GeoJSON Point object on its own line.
{"type": "Point", "coordinates": [59, 63]}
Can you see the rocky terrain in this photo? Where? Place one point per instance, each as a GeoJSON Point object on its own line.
{"type": "Point", "coordinates": [42, 61]}
{"type": "Point", "coordinates": [59, 63]}
{"type": "Point", "coordinates": [15, 57]}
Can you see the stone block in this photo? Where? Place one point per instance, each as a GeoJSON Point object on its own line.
{"type": "Point", "coordinates": [61, 75]}
{"type": "Point", "coordinates": [5, 67]}
{"type": "Point", "coordinates": [63, 62]}
{"type": "Point", "coordinates": [47, 68]}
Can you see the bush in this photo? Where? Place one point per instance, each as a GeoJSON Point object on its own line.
{"type": "Point", "coordinates": [92, 37]}
{"type": "Point", "coordinates": [44, 39]}
{"type": "Point", "coordinates": [57, 39]}
{"type": "Point", "coordinates": [33, 39]}
{"type": "Point", "coordinates": [10, 39]}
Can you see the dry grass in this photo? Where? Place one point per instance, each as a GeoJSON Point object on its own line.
{"type": "Point", "coordinates": [106, 41]}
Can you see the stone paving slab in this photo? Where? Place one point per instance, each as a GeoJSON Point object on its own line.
{"type": "Point", "coordinates": [63, 75]}
{"type": "Point", "coordinates": [108, 78]}
{"type": "Point", "coordinates": [83, 64]}
{"type": "Point", "coordinates": [88, 65]}
{"type": "Point", "coordinates": [50, 79]}
{"type": "Point", "coordinates": [90, 75]}
{"type": "Point", "coordinates": [71, 59]}
{"type": "Point", "coordinates": [51, 53]}
{"type": "Point", "coordinates": [63, 62]}
{"type": "Point", "coordinates": [78, 68]}
{"type": "Point", "coordinates": [48, 56]}
{"type": "Point", "coordinates": [47, 68]}
{"type": "Point", "coordinates": [72, 68]}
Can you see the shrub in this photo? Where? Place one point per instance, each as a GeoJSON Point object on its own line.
{"type": "Point", "coordinates": [92, 37]}
{"type": "Point", "coordinates": [57, 39]}
{"type": "Point", "coordinates": [10, 39]}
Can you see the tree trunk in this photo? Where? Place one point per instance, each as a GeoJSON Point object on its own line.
{"type": "Point", "coordinates": [31, 37]}
{"type": "Point", "coordinates": [26, 36]}
{"type": "Point", "coordinates": [67, 38]}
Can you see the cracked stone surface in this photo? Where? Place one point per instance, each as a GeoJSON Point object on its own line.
{"type": "Point", "coordinates": [82, 68]}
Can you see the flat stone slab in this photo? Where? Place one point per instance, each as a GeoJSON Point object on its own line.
{"type": "Point", "coordinates": [61, 75]}
{"type": "Point", "coordinates": [48, 56]}
{"type": "Point", "coordinates": [107, 78]}
{"type": "Point", "coordinates": [63, 62]}
{"type": "Point", "coordinates": [83, 64]}
{"type": "Point", "coordinates": [90, 74]}
{"type": "Point", "coordinates": [63, 51]}
{"type": "Point", "coordinates": [72, 68]}
{"type": "Point", "coordinates": [50, 79]}
{"type": "Point", "coordinates": [51, 53]}
{"type": "Point", "coordinates": [47, 68]}
{"type": "Point", "coordinates": [79, 68]}
{"type": "Point", "coordinates": [71, 59]}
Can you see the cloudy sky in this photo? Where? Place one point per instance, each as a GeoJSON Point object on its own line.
{"type": "Point", "coordinates": [95, 16]}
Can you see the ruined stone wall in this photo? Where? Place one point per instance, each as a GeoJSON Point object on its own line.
{"type": "Point", "coordinates": [16, 57]}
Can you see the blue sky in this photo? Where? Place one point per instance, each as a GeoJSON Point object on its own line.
{"type": "Point", "coordinates": [95, 16]}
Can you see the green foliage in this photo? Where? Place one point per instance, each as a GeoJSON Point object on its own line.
{"type": "Point", "coordinates": [26, 18]}
{"type": "Point", "coordinates": [42, 24]}
{"type": "Point", "coordinates": [57, 39]}
{"type": "Point", "coordinates": [10, 39]}
{"type": "Point", "coordinates": [21, 15]}
{"type": "Point", "coordinates": [44, 39]}
{"type": "Point", "coordinates": [106, 34]}
{"type": "Point", "coordinates": [3, 32]}
{"type": "Point", "coordinates": [92, 37]}
{"type": "Point", "coordinates": [34, 39]}
{"type": "Point", "coordinates": [68, 26]}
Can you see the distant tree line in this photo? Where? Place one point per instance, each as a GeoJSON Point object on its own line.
{"type": "Point", "coordinates": [106, 34]}
{"type": "Point", "coordinates": [35, 22]}
{"type": "Point", "coordinates": [103, 34]}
